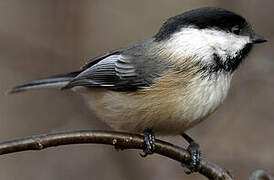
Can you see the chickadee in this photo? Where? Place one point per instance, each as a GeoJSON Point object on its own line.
{"type": "Point", "coordinates": [168, 83]}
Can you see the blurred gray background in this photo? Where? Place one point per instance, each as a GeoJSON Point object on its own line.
{"type": "Point", "coordinates": [39, 38]}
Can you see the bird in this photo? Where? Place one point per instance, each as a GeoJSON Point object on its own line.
{"type": "Point", "coordinates": [166, 84]}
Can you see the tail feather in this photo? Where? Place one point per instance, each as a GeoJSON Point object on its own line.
{"type": "Point", "coordinates": [58, 81]}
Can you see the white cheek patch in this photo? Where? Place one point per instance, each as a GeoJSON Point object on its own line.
{"type": "Point", "coordinates": [201, 44]}
{"type": "Point", "coordinates": [226, 44]}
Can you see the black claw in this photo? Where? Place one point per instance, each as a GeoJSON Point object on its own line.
{"type": "Point", "coordinates": [149, 143]}
{"type": "Point", "coordinates": [194, 165]}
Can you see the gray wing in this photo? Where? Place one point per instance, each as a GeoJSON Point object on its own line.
{"type": "Point", "coordinates": [118, 72]}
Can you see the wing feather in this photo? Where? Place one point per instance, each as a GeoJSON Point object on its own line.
{"type": "Point", "coordinates": [116, 71]}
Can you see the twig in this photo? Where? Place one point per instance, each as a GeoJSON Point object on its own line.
{"type": "Point", "coordinates": [117, 139]}
{"type": "Point", "coordinates": [260, 175]}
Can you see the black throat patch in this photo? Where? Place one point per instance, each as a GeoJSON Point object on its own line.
{"type": "Point", "coordinates": [229, 65]}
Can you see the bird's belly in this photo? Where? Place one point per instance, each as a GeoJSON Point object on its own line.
{"type": "Point", "coordinates": [166, 112]}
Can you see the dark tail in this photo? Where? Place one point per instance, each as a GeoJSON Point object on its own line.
{"type": "Point", "coordinates": [58, 81]}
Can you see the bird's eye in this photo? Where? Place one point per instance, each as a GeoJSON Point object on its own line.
{"type": "Point", "coordinates": [236, 30]}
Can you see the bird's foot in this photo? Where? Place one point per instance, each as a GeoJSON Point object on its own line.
{"type": "Point", "coordinates": [149, 143]}
{"type": "Point", "coordinates": [194, 164]}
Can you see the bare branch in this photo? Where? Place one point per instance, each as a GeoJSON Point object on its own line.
{"type": "Point", "coordinates": [117, 139]}
{"type": "Point", "coordinates": [260, 175]}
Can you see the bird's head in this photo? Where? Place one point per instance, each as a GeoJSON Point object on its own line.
{"type": "Point", "coordinates": [217, 38]}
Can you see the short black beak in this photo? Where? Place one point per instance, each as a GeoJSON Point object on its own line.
{"type": "Point", "coordinates": [256, 39]}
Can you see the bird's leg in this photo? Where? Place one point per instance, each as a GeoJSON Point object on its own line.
{"type": "Point", "coordinates": [149, 142]}
{"type": "Point", "coordinates": [194, 165]}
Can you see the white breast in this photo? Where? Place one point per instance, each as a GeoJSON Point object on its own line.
{"type": "Point", "coordinates": [205, 96]}
{"type": "Point", "coordinates": [166, 111]}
